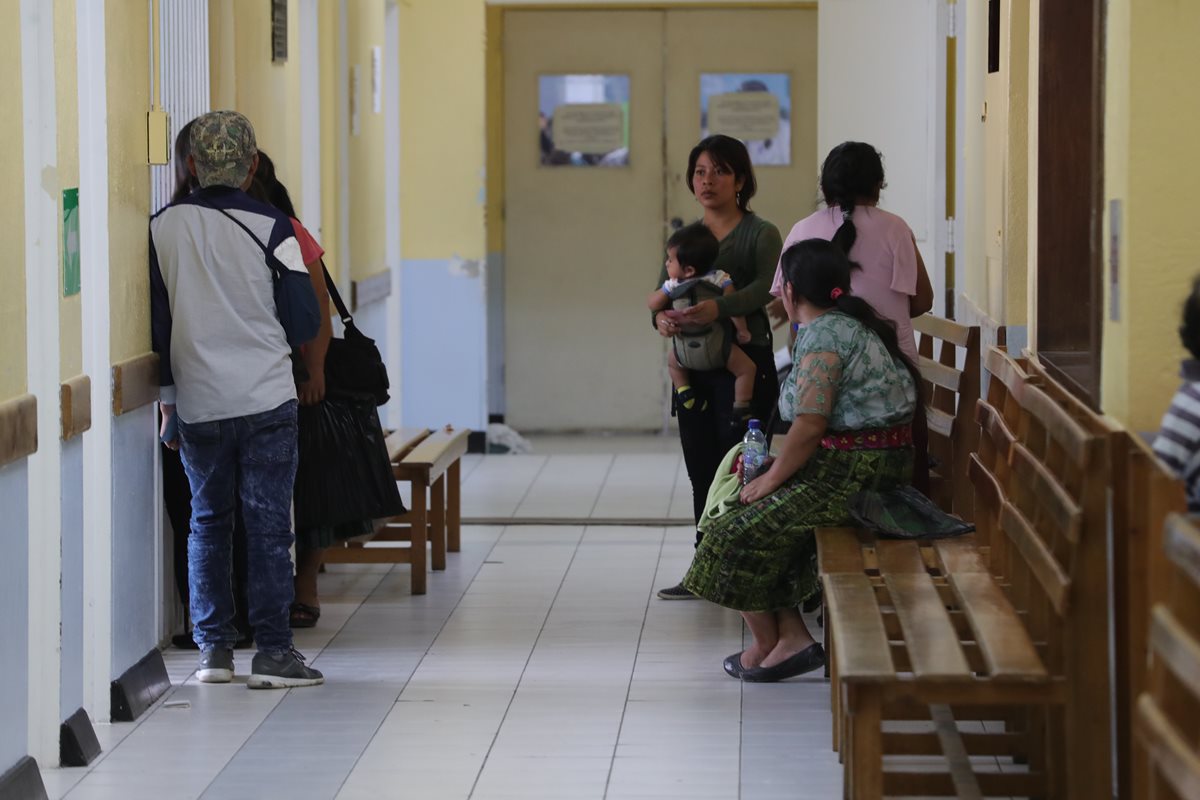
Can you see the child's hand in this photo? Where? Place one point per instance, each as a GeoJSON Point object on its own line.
{"type": "Point", "coordinates": [743, 337]}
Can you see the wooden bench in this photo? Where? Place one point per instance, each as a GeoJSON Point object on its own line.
{"type": "Point", "coordinates": [430, 463]}
{"type": "Point", "coordinates": [1145, 493]}
{"type": "Point", "coordinates": [951, 630]}
{"type": "Point", "coordinates": [1168, 713]}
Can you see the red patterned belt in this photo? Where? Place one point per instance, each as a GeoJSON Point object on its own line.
{"type": "Point", "coordinates": [870, 439]}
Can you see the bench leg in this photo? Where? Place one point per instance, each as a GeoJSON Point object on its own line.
{"type": "Point", "coordinates": [865, 762]}
{"type": "Point", "coordinates": [454, 508]}
{"type": "Point", "coordinates": [420, 533]}
{"type": "Point", "coordinates": [437, 522]}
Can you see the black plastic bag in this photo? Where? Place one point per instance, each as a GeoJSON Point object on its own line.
{"type": "Point", "coordinates": [904, 513]}
{"type": "Point", "coordinates": [344, 473]}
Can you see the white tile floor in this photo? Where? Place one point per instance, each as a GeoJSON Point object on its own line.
{"type": "Point", "coordinates": [539, 665]}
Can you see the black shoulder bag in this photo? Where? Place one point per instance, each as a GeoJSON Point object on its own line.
{"type": "Point", "coordinates": [353, 364]}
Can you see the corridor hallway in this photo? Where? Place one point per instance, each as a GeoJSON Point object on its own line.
{"type": "Point", "coordinates": [539, 665]}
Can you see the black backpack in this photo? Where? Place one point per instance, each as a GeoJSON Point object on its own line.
{"type": "Point", "coordinates": [701, 347]}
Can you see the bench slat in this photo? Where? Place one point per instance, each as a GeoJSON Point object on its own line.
{"type": "Point", "coordinates": [1079, 444]}
{"type": "Point", "coordinates": [401, 442]}
{"type": "Point", "coordinates": [939, 422]}
{"type": "Point", "coordinates": [1001, 636]}
{"type": "Point", "coordinates": [960, 554]}
{"type": "Point", "coordinates": [1183, 545]}
{"type": "Point", "coordinates": [992, 423]}
{"type": "Point", "coordinates": [857, 629]}
{"type": "Point", "coordinates": [899, 557]}
{"type": "Point", "coordinates": [965, 784]}
{"type": "Point", "coordinates": [438, 451]}
{"type": "Point", "coordinates": [929, 635]}
{"type": "Point", "coordinates": [838, 550]}
{"type": "Point", "coordinates": [942, 328]}
{"type": "Point", "coordinates": [1176, 647]}
{"type": "Point", "coordinates": [1172, 753]}
{"type": "Point", "coordinates": [1037, 555]}
{"type": "Point", "coordinates": [1004, 368]}
{"type": "Point", "coordinates": [939, 374]}
{"type": "Point", "coordinates": [1052, 497]}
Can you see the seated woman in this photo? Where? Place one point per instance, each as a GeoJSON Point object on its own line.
{"type": "Point", "coordinates": [851, 398]}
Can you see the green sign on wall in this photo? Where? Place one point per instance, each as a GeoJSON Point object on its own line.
{"type": "Point", "coordinates": [70, 249]}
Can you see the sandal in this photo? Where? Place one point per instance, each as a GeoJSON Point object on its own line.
{"type": "Point", "coordinates": [304, 616]}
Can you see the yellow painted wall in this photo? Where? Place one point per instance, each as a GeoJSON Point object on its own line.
{"type": "Point", "coordinates": [331, 127]}
{"type": "Point", "coordinates": [1151, 166]}
{"type": "Point", "coordinates": [245, 79]}
{"type": "Point", "coordinates": [127, 57]}
{"type": "Point", "coordinates": [1017, 185]}
{"type": "Point", "coordinates": [365, 31]}
{"type": "Point", "coordinates": [12, 208]}
{"type": "Point", "coordinates": [66, 82]}
{"type": "Point", "coordinates": [442, 81]}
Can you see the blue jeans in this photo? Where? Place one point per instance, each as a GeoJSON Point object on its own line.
{"type": "Point", "coordinates": [254, 457]}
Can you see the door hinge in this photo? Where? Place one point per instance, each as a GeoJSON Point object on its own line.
{"type": "Point", "coordinates": [951, 20]}
{"type": "Point", "coordinates": [950, 235]}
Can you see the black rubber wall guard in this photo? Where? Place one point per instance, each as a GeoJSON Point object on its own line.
{"type": "Point", "coordinates": [138, 688]}
{"type": "Point", "coordinates": [23, 782]}
{"type": "Point", "coordinates": [77, 742]}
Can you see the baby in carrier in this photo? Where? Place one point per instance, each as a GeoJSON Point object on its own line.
{"type": "Point", "coordinates": [691, 253]}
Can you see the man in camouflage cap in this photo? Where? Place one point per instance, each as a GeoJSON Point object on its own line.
{"type": "Point", "coordinates": [227, 396]}
{"type": "Point", "coordinates": [224, 152]}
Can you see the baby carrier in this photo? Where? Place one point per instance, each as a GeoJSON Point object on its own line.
{"type": "Point", "coordinates": [700, 347]}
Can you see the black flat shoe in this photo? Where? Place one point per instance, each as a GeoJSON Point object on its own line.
{"type": "Point", "coordinates": [733, 666]}
{"type": "Point", "coordinates": [808, 659]}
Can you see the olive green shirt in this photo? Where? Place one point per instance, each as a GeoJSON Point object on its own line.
{"type": "Point", "coordinates": [749, 254]}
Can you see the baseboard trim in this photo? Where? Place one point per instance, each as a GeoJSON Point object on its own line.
{"type": "Point", "coordinates": [138, 687]}
{"type": "Point", "coordinates": [23, 781]}
{"type": "Point", "coordinates": [77, 742]}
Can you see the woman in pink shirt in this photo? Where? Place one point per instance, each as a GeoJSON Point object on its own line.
{"type": "Point", "coordinates": [887, 270]}
{"type": "Point", "coordinates": [889, 273]}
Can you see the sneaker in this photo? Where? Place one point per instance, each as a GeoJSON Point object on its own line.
{"type": "Point", "coordinates": [676, 593]}
{"type": "Point", "coordinates": [216, 665]}
{"type": "Point", "coordinates": [281, 671]}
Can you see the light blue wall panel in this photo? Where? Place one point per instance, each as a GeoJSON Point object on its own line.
{"type": "Point", "coordinates": [71, 693]}
{"type": "Point", "coordinates": [14, 622]}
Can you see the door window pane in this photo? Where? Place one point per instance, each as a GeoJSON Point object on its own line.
{"type": "Point", "coordinates": [583, 120]}
{"type": "Point", "coordinates": [755, 107]}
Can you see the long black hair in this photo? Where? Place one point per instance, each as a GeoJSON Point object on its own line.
{"type": "Point", "coordinates": [185, 181]}
{"type": "Point", "coordinates": [819, 272]}
{"type": "Point", "coordinates": [852, 171]}
{"type": "Point", "coordinates": [730, 153]}
{"type": "Point", "coordinates": [267, 187]}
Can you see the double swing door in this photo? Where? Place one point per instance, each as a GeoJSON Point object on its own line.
{"type": "Point", "coordinates": [584, 233]}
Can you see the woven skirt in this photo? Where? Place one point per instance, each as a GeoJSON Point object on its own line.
{"type": "Point", "coordinates": [762, 557]}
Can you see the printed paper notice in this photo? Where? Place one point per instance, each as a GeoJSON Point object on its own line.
{"type": "Point", "coordinates": [747, 116]}
{"type": "Point", "coordinates": [589, 127]}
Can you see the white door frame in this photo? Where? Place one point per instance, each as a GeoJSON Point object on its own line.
{"type": "Point", "coordinates": [97, 360]}
{"type": "Point", "coordinates": [42, 351]}
{"type": "Point", "coordinates": [391, 167]}
{"type": "Point", "coordinates": [310, 115]}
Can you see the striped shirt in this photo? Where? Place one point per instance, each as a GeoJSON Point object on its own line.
{"type": "Point", "coordinates": [223, 352]}
{"type": "Point", "coordinates": [1178, 442]}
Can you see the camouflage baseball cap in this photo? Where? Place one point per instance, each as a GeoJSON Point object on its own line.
{"type": "Point", "coordinates": [223, 148]}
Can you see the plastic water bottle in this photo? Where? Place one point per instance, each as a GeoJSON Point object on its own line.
{"type": "Point", "coordinates": [754, 452]}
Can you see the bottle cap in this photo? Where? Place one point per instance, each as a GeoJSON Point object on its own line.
{"type": "Point", "coordinates": [755, 424]}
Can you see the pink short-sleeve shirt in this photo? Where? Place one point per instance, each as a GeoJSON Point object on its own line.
{"type": "Point", "coordinates": [310, 250]}
{"type": "Point", "coordinates": [887, 253]}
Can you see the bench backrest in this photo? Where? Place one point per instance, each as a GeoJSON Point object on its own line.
{"type": "Point", "coordinates": [1169, 712]}
{"type": "Point", "coordinates": [1144, 493]}
{"type": "Point", "coordinates": [1051, 553]}
{"type": "Point", "coordinates": [950, 394]}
